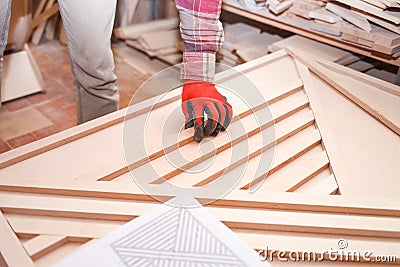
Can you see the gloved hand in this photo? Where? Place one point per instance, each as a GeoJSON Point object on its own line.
{"type": "Point", "coordinates": [200, 97]}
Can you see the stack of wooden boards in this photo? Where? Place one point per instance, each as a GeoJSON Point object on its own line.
{"type": "Point", "coordinates": [370, 24]}
{"type": "Point", "coordinates": [159, 38]}
{"type": "Point", "coordinates": [336, 142]}
{"type": "Point", "coordinates": [21, 75]}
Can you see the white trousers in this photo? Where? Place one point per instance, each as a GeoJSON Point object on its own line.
{"type": "Point", "coordinates": [88, 26]}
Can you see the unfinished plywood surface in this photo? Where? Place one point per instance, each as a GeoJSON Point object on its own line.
{"type": "Point", "coordinates": [52, 200]}
{"type": "Point", "coordinates": [347, 138]}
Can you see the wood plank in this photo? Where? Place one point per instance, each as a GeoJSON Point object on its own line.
{"type": "Point", "coordinates": [340, 145]}
{"type": "Point", "coordinates": [372, 10]}
{"type": "Point", "coordinates": [136, 30]}
{"type": "Point", "coordinates": [12, 251]}
{"type": "Point", "coordinates": [381, 105]}
{"type": "Point", "coordinates": [235, 218]}
{"type": "Point", "coordinates": [387, 25]}
{"type": "Point", "coordinates": [325, 15]}
{"type": "Point", "coordinates": [321, 50]}
{"type": "Point", "coordinates": [298, 172]}
{"type": "Point", "coordinates": [377, 35]}
{"type": "Point", "coordinates": [350, 16]}
{"type": "Point", "coordinates": [44, 244]}
{"type": "Point", "coordinates": [327, 185]}
{"type": "Point", "coordinates": [326, 28]}
{"type": "Point", "coordinates": [236, 198]}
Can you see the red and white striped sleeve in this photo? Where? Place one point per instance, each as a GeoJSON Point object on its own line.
{"type": "Point", "coordinates": [202, 34]}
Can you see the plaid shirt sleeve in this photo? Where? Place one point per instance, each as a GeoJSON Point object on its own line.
{"type": "Point", "coordinates": [202, 34]}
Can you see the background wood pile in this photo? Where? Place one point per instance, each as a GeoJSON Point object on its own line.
{"type": "Point", "coordinates": [372, 24]}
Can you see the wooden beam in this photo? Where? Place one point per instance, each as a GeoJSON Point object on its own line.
{"type": "Point", "coordinates": [12, 252]}
{"type": "Point", "coordinates": [44, 244]}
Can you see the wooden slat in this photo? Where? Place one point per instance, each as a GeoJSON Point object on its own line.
{"type": "Point", "coordinates": [236, 218]}
{"type": "Point", "coordinates": [11, 249]}
{"type": "Point", "coordinates": [236, 198]}
{"type": "Point", "coordinates": [327, 185]}
{"type": "Point", "coordinates": [44, 244]}
{"type": "Point", "coordinates": [381, 105]}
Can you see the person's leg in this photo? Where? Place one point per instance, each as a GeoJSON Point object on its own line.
{"type": "Point", "coordinates": [88, 26]}
{"type": "Point", "coordinates": [5, 11]}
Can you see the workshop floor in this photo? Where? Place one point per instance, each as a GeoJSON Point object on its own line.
{"type": "Point", "coordinates": [53, 110]}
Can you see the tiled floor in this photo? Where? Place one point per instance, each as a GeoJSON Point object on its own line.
{"type": "Point", "coordinates": [39, 115]}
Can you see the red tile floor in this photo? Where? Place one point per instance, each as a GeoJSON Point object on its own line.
{"type": "Point", "coordinates": [42, 114]}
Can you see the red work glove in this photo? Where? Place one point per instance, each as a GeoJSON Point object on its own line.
{"type": "Point", "coordinates": [202, 97]}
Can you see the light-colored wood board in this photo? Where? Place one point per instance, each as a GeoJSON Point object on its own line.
{"type": "Point", "coordinates": [387, 25]}
{"type": "Point", "coordinates": [238, 31]}
{"type": "Point", "coordinates": [237, 218]}
{"type": "Point", "coordinates": [350, 16]}
{"type": "Point", "coordinates": [44, 244]}
{"type": "Point", "coordinates": [298, 172]}
{"type": "Point", "coordinates": [381, 105]}
{"type": "Point", "coordinates": [281, 7]}
{"type": "Point", "coordinates": [288, 151]}
{"type": "Point", "coordinates": [389, 50]}
{"type": "Point", "coordinates": [340, 144]}
{"type": "Point", "coordinates": [58, 254]}
{"type": "Point", "coordinates": [19, 77]}
{"type": "Point", "coordinates": [325, 15]}
{"type": "Point", "coordinates": [326, 28]}
{"type": "Point", "coordinates": [301, 27]}
{"type": "Point", "coordinates": [374, 82]}
{"type": "Point", "coordinates": [304, 5]}
{"type": "Point", "coordinates": [319, 50]}
{"type": "Point", "coordinates": [299, 12]}
{"type": "Point", "coordinates": [12, 250]}
{"type": "Point", "coordinates": [160, 39]}
{"type": "Point", "coordinates": [377, 35]}
{"type": "Point", "coordinates": [372, 10]}
{"type": "Point", "coordinates": [376, 3]}
{"type": "Point", "coordinates": [236, 198]}
{"type": "Point", "coordinates": [136, 30]}
{"type": "Point", "coordinates": [255, 45]}
{"type": "Point", "coordinates": [81, 167]}
{"type": "Point", "coordinates": [326, 184]}
{"type": "Point", "coordinates": [357, 40]}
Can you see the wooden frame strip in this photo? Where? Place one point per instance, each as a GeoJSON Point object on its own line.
{"type": "Point", "coordinates": [44, 244]}
{"type": "Point", "coordinates": [237, 218]}
{"type": "Point", "coordinates": [11, 249]}
{"type": "Point", "coordinates": [391, 120]}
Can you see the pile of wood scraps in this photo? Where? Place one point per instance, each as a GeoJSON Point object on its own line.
{"type": "Point", "coordinates": [159, 38]}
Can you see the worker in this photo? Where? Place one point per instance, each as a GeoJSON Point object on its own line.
{"type": "Point", "coordinates": [203, 35]}
{"type": "Point", "coordinates": [88, 26]}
